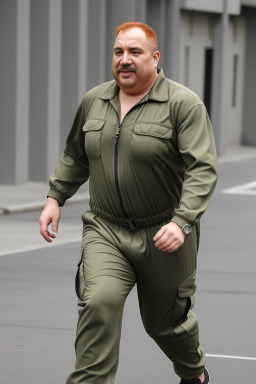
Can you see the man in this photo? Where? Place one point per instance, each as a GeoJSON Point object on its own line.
{"type": "Point", "coordinates": [147, 144]}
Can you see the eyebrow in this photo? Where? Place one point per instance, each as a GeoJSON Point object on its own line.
{"type": "Point", "coordinates": [130, 48]}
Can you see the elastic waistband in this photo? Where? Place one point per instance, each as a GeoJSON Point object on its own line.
{"type": "Point", "coordinates": [133, 224]}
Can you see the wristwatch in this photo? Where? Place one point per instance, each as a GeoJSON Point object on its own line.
{"type": "Point", "coordinates": [186, 229]}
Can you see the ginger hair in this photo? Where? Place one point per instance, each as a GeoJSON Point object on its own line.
{"type": "Point", "coordinates": [149, 32]}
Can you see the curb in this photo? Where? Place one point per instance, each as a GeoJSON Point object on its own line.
{"type": "Point", "coordinates": [237, 155]}
{"type": "Point", "coordinates": [36, 206]}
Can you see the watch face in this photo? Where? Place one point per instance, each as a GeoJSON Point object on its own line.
{"type": "Point", "coordinates": [186, 229]}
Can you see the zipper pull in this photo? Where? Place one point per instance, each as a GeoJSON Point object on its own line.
{"type": "Point", "coordinates": [117, 133]}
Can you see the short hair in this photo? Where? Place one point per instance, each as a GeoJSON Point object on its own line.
{"type": "Point", "coordinates": [149, 32]}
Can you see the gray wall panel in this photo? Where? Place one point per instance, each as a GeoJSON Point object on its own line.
{"type": "Point", "coordinates": [22, 91]}
{"type": "Point", "coordinates": [172, 41]}
{"type": "Point", "coordinates": [164, 17]}
{"type": "Point", "coordinates": [38, 89]}
{"type": "Point", "coordinates": [69, 67]}
{"type": "Point", "coordinates": [8, 57]}
{"type": "Point", "coordinates": [82, 48]}
{"type": "Point", "coordinates": [156, 11]}
{"type": "Point", "coordinates": [220, 95]}
{"type": "Point", "coordinates": [96, 43]}
{"type": "Point", "coordinates": [54, 84]}
{"type": "Point", "coordinates": [249, 126]}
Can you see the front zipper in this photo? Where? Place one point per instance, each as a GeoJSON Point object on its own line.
{"type": "Point", "coordinates": [116, 171]}
{"type": "Point", "coordinates": [116, 158]}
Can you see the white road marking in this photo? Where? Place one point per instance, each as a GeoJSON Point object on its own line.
{"type": "Point", "coordinates": [42, 246]}
{"type": "Point", "coordinates": [232, 357]}
{"type": "Point", "coordinates": [244, 189]}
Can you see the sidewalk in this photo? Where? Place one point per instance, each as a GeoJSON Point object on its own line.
{"type": "Point", "coordinates": [238, 153]}
{"type": "Point", "coordinates": [32, 195]}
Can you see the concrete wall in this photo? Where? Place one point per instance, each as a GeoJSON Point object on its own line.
{"type": "Point", "coordinates": [8, 32]}
{"type": "Point", "coordinates": [196, 35]}
{"type": "Point", "coordinates": [51, 52]}
{"type": "Point", "coordinates": [69, 67]}
{"type": "Point", "coordinates": [164, 17]}
{"type": "Point", "coordinates": [14, 90]}
{"type": "Point", "coordinates": [39, 47]}
{"type": "Point", "coordinates": [202, 31]}
{"type": "Point", "coordinates": [237, 27]}
{"type": "Point", "coordinates": [249, 107]}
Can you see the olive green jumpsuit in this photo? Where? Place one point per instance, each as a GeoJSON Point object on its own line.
{"type": "Point", "coordinates": [158, 166]}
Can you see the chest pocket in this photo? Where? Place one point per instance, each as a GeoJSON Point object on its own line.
{"type": "Point", "coordinates": [150, 142]}
{"type": "Point", "coordinates": [93, 129]}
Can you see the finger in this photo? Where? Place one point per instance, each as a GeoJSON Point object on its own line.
{"type": "Point", "coordinates": [167, 244]}
{"type": "Point", "coordinates": [173, 247]}
{"type": "Point", "coordinates": [179, 240]}
{"type": "Point", "coordinates": [169, 249]}
{"type": "Point", "coordinates": [164, 240]}
{"type": "Point", "coordinates": [52, 235]}
{"type": "Point", "coordinates": [44, 231]}
{"type": "Point", "coordinates": [46, 236]}
{"type": "Point", "coordinates": [55, 224]}
{"type": "Point", "coordinates": [159, 233]}
{"type": "Point", "coordinates": [43, 227]}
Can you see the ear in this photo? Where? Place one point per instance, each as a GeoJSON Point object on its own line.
{"type": "Point", "coordinates": [156, 56]}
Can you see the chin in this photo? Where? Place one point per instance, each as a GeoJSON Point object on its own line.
{"type": "Point", "coordinates": [126, 85]}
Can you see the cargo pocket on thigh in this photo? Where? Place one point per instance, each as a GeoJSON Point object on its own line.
{"type": "Point", "coordinates": [185, 300]}
{"type": "Point", "coordinates": [79, 280]}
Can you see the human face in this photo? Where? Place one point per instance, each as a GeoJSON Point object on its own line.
{"type": "Point", "coordinates": [134, 64]}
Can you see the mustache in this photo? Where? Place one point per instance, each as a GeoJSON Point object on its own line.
{"type": "Point", "coordinates": [125, 68]}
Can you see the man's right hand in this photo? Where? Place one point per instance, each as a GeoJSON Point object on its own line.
{"type": "Point", "coordinates": [50, 215]}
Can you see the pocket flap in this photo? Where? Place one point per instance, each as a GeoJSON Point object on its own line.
{"type": "Point", "coordinates": [155, 130]}
{"type": "Point", "coordinates": [188, 287]}
{"type": "Point", "coordinates": [93, 125]}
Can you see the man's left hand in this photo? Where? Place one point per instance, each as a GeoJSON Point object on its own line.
{"type": "Point", "coordinates": [169, 238]}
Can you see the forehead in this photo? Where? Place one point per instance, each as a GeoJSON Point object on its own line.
{"type": "Point", "coordinates": [131, 36]}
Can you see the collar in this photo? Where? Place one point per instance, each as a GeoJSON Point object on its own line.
{"type": "Point", "coordinates": [158, 92]}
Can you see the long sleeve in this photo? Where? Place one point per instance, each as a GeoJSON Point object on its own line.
{"type": "Point", "coordinates": [197, 148]}
{"type": "Point", "coordinates": [73, 168]}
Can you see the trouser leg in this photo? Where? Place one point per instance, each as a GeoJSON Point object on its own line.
{"type": "Point", "coordinates": [104, 281]}
{"type": "Point", "coordinates": [166, 287]}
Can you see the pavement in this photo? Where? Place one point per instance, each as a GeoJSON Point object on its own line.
{"type": "Point", "coordinates": [31, 196]}
{"type": "Point", "coordinates": [38, 303]}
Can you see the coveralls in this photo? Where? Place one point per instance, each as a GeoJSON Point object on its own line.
{"type": "Point", "coordinates": [159, 165]}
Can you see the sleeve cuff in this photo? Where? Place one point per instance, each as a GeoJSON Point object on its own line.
{"type": "Point", "coordinates": [57, 195]}
{"type": "Point", "coordinates": [180, 221]}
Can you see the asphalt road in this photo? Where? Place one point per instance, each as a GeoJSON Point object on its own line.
{"type": "Point", "coordinates": [38, 305]}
